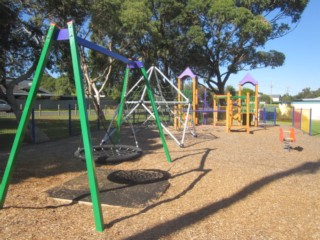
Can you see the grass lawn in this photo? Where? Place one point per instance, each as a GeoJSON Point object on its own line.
{"type": "Point", "coordinates": [54, 126]}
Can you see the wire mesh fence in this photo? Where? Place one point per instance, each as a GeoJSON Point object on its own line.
{"type": "Point", "coordinates": [59, 123]}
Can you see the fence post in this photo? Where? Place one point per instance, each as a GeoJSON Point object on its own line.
{"type": "Point", "coordinates": [310, 122]}
{"type": "Point", "coordinates": [301, 119]}
{"type": "Point", "coordinates": [275, 116]}
{"type": "Point", "coordinates": [39, 110]}
{"type": "Point", "coordinates": [58, 109]}
{"type": "Point", "coordinates": [33, 130]}
{"type": "Point", "coordinates": [69, 120]}
{"type": "Point", "coordinates": [293, 115]}
{"type": "Point", "coordinates": [264, 116]}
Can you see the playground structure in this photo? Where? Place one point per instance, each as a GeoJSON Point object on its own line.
{"type": "Point", "coordinates": [287, 139]}
{"type": "Point", "coordinates": [240, 110]}
{"type": "Point", "coordinates": [172, 112]}
{"type": "Point", "coordinates": [69, 34]}
{"type": "Point", "coordinates": [187, 73]}
{"type": "Point", "coordinates": [254, 102]}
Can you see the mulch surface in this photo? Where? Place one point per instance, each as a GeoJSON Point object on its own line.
{"type": "Point", "coordinates": [219, 186]}
{"type": "Point", "coordinates": [137, 188]}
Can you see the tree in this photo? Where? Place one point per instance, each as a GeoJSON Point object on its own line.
{"type": "Point", "coordinates": [23, 24]}
{"type": "Point", "coordinates": [217, 38]}
{"type": "Point", "coordinates": [244, 91]}
{"type": "Point", "coordinates": [234, 34]}
{"type": "Point", "coordinates": [307, 93]}
{"type": "Point", "coordinates": [286, 98]}
{"type": "Point", "coordinates": [231, 90]}
{"type": "Point", "coordinates": [265, 98]}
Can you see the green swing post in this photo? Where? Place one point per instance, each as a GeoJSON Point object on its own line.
{"type": "Point", "coordinates": [155, 112]}
{"type": "Point", "coordinates": [120, 111]}
{"type": "Point", "coordinates": [26, 114]}
{"type": "Point", "coordinates": [85, 129]}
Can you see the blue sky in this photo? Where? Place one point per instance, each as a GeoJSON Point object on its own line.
{"type": "Point", "coordinates": [302, 65]}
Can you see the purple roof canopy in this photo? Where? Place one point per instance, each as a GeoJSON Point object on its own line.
{"type": "Point", "coordinates": [187, 73]}
{"type": "Point", "coordinates": [248, 79]}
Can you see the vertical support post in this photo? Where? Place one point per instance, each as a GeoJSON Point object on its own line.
{"type": "Point", "coordinates": [248, 113]}
{"type": "Point", "coordinates": [275, 116]}
{"type": "Point", "coordinates": [26, 114]}
{"type": "Point", "coordinates": [300, 120]}
{"type": "Point", "coordinates": [33, 127]}
{"type": "Point", "coordinates": [69, 120]}
{"type": "Point", "coordinates": [228, 121]}
{"type": "Point", "coordinates": [85, 129]}
{"type": "Point", "coordinates": [215, 113]}
{"type": "Point", "coordinates": [155, 112]}
{"type": "Point", "coordinates": [310, 122]}
{"type": "Point", "coordinates": [293, 115]}
{"type": "Point", "coordinates": [195, 100]}
{"type": "Point", "coordinates": [178, 108]}
{"type": "Point", "coordinates": [122, 101]}
{"type": "Point", "coordinates": [256, 106]}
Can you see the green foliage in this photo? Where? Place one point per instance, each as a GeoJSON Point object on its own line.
{"type": "Point", "coordinates": [286, 98]}
{"type": "Point", "coordinates": [231, 90]}
{"type": "Point", "coordinates": [265, 98]}
{"type": "Point", "coordinates": [59, 86]}
{"type": "Point", "coordinates": [307, 93]}
{"type": "Point", "coordinates": [114, 93]}
{"type": "Point", "coordinates": [217, 38]}
{"type": "Point", "coordinates": [244, 91]}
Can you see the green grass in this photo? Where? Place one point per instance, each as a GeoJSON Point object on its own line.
{"type": "Point", "coordinates": [55, 127]}
{"type": "Point", "coordinates": [315, 126]}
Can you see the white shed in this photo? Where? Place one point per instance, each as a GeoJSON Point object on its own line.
{"type": "Point", "coordinates": [309, 103]}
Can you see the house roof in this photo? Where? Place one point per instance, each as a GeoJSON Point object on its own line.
{"type": "Point", "coordinates": [22, 89]}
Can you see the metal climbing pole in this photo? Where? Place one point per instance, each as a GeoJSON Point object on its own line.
{"type": "Point", "coordinates": [155, 112]}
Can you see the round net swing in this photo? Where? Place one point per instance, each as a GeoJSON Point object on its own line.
{"type": "Point", "coordinates": [107, 152]}
{"type": "Point", "coordinates": [104, 154]}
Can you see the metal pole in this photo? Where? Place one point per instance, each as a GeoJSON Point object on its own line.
{"type": "Point", "coordinates": [33, 127]}
{"type": "Point", "coordinates": [85, 129]}
{"type": "Point", "coordinates": [121, 106]}
{"type": "Point", "coordinates": [70, 120]}
{"type": "Point", "coordinates": [155, 111]}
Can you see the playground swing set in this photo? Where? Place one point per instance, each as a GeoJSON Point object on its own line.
{"type": "Point", "coordinates": [89, 152]}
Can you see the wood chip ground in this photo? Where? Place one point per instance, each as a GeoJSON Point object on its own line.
{"type": "Point", "coordinates": [222, 186]}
